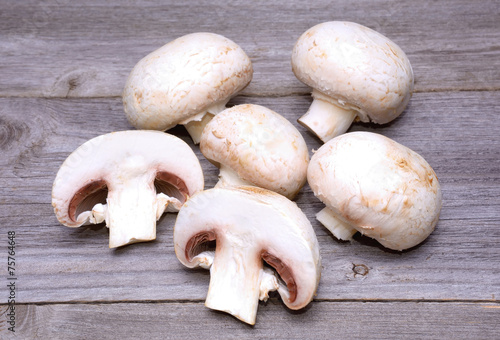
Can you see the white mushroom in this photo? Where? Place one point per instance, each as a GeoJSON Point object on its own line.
{"type": "Point", "coordinates": [371, 184]}
{"type": "Point", "coordinates": [253, 145]}
{"type": "Point", "coordinates": [126, 179]}
{"type": "Point", "coordinates": [250, 225]}
{"type": "Point", "coordinates": [187, 81]}
{"type": "Point", "coordinates": [355, 72]}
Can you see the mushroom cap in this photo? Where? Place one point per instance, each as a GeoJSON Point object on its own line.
{"type": "Point", "coordinates": [356, 68]}
{"type": "Point", "coordinates": [104, 161]}
{"type": "Point", "coordinates": [183, 78]}
{"type": "Point", "coordinates": [378, 186]}
{"type": "Point", "coordinates": [271, 225]}
{"type": "Point", "coordinates": [263, 147]}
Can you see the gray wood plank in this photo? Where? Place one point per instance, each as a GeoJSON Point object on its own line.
{"type": "Point", "coordinates": [71, 286]}
{"type": "Point", "coordinates": [323, 320]}
{"type": "Point", "coordinates": [58, 48]}
{"type": "Point", "coordinates": [457, 132]}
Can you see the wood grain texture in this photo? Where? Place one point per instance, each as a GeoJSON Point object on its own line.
{"type": "Point", "coordinates": [63, 65]}
{"type": "Point", "coordinates": [58, 48]}
{"type": "Point", "coordinates": [324, 320]}
{"type": "Point", "coordinates": [460, 260]}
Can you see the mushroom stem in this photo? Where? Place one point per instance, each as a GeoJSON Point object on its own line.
{"type": "Point", "coordinates": [337, 227]}
{"type": "Point", "coordinates": [235, 280]}
{"type": "Point", "coordinates": [196, 125]}
{"type": "Point", "coordinates": [228, 178]}
{"type": "Point", "coordinates": [327, 120]}
{"type": "Point", "coordinates": [131, 213]}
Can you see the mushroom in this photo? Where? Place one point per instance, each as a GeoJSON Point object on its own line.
{"type": "Point", "coordinates": [374, 185]}
{"type": "Point", "coordinates": [355, 73]}
{"type": "Point", "coordinates": [186, 81]}
{"type": "Point", "coordinates": [249, 225]}
{"type": "Point", "coordinates": [253, 145]}
{"type": "Point", "coordinates": [126, 179]}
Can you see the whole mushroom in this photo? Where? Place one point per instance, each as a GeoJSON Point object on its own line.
{"type": "Point", "coordinates": [186, 81]}
{"type": "Point", "coordinates": [374, 185]}
{"type": "Point", "coordinates": [250, 226]}
{"type": "Point", "coordinates": [355, 73]}
{"type": "Point", "coordinates": [253, 145]}
{"type": "Point", "coordinates": [126, 179]}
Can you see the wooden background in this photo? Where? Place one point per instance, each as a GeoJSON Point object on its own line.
{"type": "Point", "coordinates": [62, 69]}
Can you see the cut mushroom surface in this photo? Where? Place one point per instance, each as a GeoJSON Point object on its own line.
{"type": "Point", "coordinates": [250, 226]}
{"type": "Point", "coordinates": [374, 185]}
{"type": "Point", "coordinates": [253, 145]}
{"type": "Point", "coordinates": [186, 81]}
{"type": "Point", "coordinates": [355, 73]}
{"type": "Point", "coordinates": [126, 179]}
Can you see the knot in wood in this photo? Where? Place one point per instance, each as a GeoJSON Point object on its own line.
{"type": "Point", "coordinates": [360, 269]}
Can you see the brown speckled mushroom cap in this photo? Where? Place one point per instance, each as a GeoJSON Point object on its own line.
{"type": "Point", "coordinates": [372, 184]}
{"type": "Point", "coordinates": [256, 146]}
{"type": "Point", "coordinates": [355, 69]}
{"type": "Point", "coordinates": [183, 80]}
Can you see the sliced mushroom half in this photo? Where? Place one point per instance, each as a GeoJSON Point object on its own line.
{"type": "Point", "coordinates": [250, 226]}
{"type": "Point", "coordinates": [126, 179]}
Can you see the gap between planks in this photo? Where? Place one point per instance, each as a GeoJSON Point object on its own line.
{"type": "Point", "coordinates": [274, 300]}
{"type": "Point", "coordinates": [255, 95]}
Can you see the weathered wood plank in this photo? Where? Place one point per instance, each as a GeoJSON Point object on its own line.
{"type": "Point", "coordinates": [456, 132]}
{"type": "Point", "coordinates": [71, 286]}
{"type": "Point", "coordinates": [76, 266]}
{"type": "Point", "coordinates": [58, 48]}
{"type": "Point", "coordinates": [323, 320]}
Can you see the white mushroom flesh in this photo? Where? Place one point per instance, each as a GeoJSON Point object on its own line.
{"type": "Point", "coordinates": [250, 226]}
{"type": "Point", "coordinates": [126, 179]}
{"type": "Point", "coordinates": [378, 187]}
{"type": "Point", "coordinates": [354, 70]}
{"type": "Point", "coordinates": [184, 80]}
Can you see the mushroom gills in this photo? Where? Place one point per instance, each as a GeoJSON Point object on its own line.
{"type": "Point", "coordinates": [250, 226]}
{"type": "Point", "coordinates": [171, 192]}
{"type": "Point", "coordinates": [201, 249]}
{"type": "Point", "coordinates": [337, 227]}
{"type": "Point", "coordinates": [325, 119]}
{"type": "Point", "coordinates": [128, 209]}
{"type": "Point", "coordinates": [126, 179]}
{"type": "Point", "coordinates": [87, 206]}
